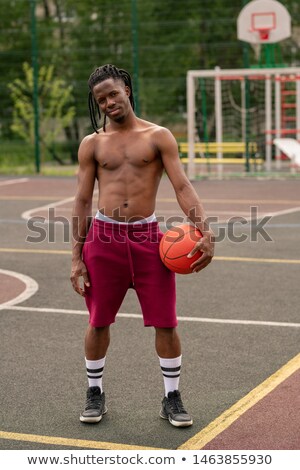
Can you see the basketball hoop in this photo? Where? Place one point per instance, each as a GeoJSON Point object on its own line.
{"type": "Point", "coordinates": [264, 22]}
{"type": "Point", "coordinates": [263, 32]}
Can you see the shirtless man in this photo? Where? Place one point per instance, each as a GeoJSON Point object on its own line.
{"type": "Point", "coordinates": [120, 249]}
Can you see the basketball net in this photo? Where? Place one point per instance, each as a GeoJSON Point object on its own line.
{"type": "Point", "coordinates": [264, 33]}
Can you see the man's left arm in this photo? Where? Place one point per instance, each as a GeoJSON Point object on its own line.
{"type": "Point", "coordinates": [187, 197]}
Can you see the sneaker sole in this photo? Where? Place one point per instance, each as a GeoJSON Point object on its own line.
{"type": "Point", "coordinates": [177, 424]}
{"type": "Point", "coordinates": [181, 424]}
{"type": "Point", "coordinates": [92, 419]}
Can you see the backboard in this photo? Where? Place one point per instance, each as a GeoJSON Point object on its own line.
{"type": "Point", "coordinates": [263, 22]}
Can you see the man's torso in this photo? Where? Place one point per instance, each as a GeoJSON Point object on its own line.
{"type": "Point", "coordinates": [129, 169]}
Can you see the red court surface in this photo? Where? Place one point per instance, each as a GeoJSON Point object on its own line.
{"type": "Point", "coordinates": [271, 424]}
{"type": "Point", "coordinates": [10, 288]}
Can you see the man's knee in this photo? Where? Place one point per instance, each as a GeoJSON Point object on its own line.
{"type": "Point", "coordinates": [167, 335]}
{"type": "Point", "coordinates": [99, 331]}
{"type": "Point", "coordinates": [168, 332]}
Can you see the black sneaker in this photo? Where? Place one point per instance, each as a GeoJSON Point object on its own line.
{"type": "Point", "coordinates": [95, 406]}
{"type": "Point", "coordinates": [173, 410]}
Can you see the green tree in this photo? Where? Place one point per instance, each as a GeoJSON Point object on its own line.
{"type": "Point", "coordinates": [56, 108]}
{"type": "Point", "coordinates": [15, 49]}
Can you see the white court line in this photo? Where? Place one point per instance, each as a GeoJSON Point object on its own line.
{"type": "Point", "coordinates": [263, 215]}
{"type": "Point", "coordinates": [28, 214]}
{"type": "Point", "coordinates": [138, 316]}
{"type": "Point", "coordinates": [214, 212]}
{"type": "Point", "coordinates": [238, 201]}
{"type": "Point", "coordinates": [174, 211]}
{"type": "Point", "coordinates": [14, 181]}
{"type": "Point", "coordinates": [31, 287]}
{"type": "Point", "coordinates": [283, 212]}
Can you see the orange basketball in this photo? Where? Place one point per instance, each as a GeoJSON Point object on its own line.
{"type": "Point", "coordinates": [176, 244]}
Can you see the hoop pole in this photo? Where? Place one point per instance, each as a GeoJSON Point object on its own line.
{"type": "Point", "coordinates": [243, 112]}
{"type": "Point", "coordinates": [219, 123]}
{"type": "Point", "coordinates": [35, 67]}
{"type": "Point", "coordinates": [245, 102]}
{"type": "Point", "coordinates": [191, 125]}
{"type": "Point", "coordinates": [135, 54]}
{"type": "Point", "coordinates": [298, 107]}
{"type": "Point", "coordinates": [277, 118]}
{"type": "Point", "coordinates": [247, 106]}
{"type": "Point", "coordinates": [268, 107]}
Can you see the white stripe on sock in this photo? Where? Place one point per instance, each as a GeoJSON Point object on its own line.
{"type": "Point", "coordinates": [171, 377]}
{"type": "Point", "coordinates": [94, 372]}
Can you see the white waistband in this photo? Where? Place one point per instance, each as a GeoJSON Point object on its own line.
{"type": "Point", "coordinates": [104, 218]}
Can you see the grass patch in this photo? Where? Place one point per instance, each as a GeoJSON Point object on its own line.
{"type": "Point", "coordinates": [45, 170]}
{"type": "Point", "coordinates": [59, 170]}
{"type": "Point", "coordinates": [17, 158]}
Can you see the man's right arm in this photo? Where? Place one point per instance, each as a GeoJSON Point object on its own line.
{"type": "Point", "coordinates": [82, 210]}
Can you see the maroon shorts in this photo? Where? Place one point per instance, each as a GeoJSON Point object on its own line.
{"type": "Point", "coordinates": [120, 256]}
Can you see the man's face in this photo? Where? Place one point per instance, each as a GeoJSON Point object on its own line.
{"type": "Point", "coordinates": [112, 97]}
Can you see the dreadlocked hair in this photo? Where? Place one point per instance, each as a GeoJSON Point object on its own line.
{"type": "Point", "coordinates": [99, 75]}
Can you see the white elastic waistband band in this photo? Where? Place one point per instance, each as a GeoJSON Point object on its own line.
{"type": "Point", "coordinates": [104, 218]}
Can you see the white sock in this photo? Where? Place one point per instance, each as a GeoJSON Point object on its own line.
{"type": "Point", "coordinates": [171, 373]}
{"type": "Point", "coordinates": [94, 371]}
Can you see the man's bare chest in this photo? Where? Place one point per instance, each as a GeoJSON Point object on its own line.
{"type": "Point", "coordinates": [115, 153]}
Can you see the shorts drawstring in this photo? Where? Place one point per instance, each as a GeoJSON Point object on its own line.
{"type": "Point", "coordinates": [129, 258]}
